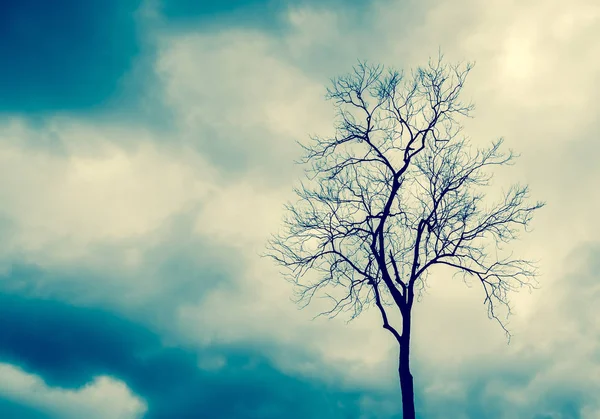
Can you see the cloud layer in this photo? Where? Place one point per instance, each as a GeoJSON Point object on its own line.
{"type": "Point", "coordinates": [143, 169]}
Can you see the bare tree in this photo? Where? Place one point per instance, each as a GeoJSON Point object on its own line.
{"type": "Point", "coordinates": [396, 192]}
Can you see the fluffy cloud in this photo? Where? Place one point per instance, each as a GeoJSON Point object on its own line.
{"type": "Point", "coordinates": [102, 398]}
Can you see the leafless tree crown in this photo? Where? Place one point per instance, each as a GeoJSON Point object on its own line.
{"type": "Point", "coordinates": [396, 191]}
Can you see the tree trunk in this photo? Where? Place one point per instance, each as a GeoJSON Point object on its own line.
{"type": "Point", "coordinates": [406, 378]}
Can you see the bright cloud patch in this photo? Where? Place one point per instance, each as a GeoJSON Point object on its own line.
{"type": "Point", "coordinates": [94, 187]}
{"type": "Point", "coordinates": [102, 398]}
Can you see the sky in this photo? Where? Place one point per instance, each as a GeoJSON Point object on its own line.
{"type": "Point", "coordinates": [147, 149]}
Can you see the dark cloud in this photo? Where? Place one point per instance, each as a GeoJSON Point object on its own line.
{"type": "Point", "coordinates": [64, 344]}
{"type": "Point", "coordinates": [66, 54]}
{"type": "Point", "coordinates": [266, 14]}
{"type": "Point", "coordinates": [209, 12]}
{"type": "Point", "coordinates": [68, 346]}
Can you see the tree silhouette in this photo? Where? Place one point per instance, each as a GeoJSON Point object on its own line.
{"type": "Point", "coordinates": [396, 192]}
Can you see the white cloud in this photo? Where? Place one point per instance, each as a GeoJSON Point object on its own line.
{"type": "Point", "coordinates": [242, 214]}
{"type": "Point", "coordinates": [97, 190]}
{"type": "Point", "coordinates": [102, 398]}
{"type": "Point", "coordinates": [236, 99]}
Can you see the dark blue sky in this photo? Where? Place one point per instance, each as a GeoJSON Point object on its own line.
{"type": "Point", "coordinates": [65, 55]}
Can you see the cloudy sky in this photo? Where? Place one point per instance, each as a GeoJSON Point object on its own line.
{"type": "Point", "coordinates": [146, 150]}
